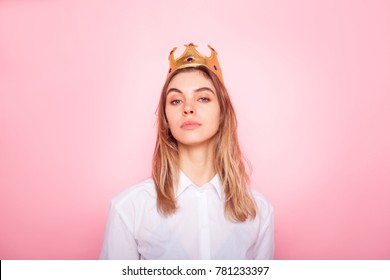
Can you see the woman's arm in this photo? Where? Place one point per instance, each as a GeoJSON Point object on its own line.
{"type": "Point", "coordinates": [264, 248]}
{"type": "Point", "coordinates": [119, 242]}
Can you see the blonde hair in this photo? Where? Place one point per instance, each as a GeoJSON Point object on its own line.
{"type": "Point", "coordinates": [228, 163]}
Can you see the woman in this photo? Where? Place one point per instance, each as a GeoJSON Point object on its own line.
{"type": "Point", "coordinates": [197, 204]}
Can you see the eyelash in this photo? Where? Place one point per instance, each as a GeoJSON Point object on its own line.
{"type": "Point", "coordinates": [176, 101]}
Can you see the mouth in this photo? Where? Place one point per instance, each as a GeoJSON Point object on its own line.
{"type": "Point", "coordinates": [189, 125]}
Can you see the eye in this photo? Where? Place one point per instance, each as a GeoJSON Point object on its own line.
{"type": "Point", "coordinates": [175, 101]}
{"type": "Point", "coordinates": [204, 99]}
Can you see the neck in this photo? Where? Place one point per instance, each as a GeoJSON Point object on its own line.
{"type": "Point", "coordinates": [197, 162]}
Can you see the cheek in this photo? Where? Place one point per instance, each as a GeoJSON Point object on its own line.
{"type": "Point", "coordinates": [171, 115]}
{"type": "Point", "coordinates": [217, 116]}
{"type": "Point", "coordinates": [167, 115]}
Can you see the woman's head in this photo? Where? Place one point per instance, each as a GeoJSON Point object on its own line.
{"type": "Point", "coordinates": [195, 94]}
{"type": "Point", "coordinates": [192, 108]}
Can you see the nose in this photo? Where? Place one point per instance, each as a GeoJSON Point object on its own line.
{"type": "Point", "coordinates": [188, 110]}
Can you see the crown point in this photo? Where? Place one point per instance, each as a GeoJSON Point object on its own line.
{"type": "Point", "coordinates": [212, 49]}
{"type": "Point", "coordinates": [172, 51]}
{"type": "Point", "coordinates": [190, 45]}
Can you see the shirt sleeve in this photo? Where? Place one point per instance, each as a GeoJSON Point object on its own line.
{"type": "Point", "coordinates": [119, 242]}
{"type": "Point", "coordinates": [264, 248]}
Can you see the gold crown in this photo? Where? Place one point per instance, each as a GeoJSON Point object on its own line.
{"type": "Point", "coordinates": [191, 58]}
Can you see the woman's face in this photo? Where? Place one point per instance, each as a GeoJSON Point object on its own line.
{"type": "Point", "coordinates": [192, 108]}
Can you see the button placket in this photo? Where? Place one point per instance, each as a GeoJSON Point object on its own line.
{"type": "Point", "coordinates": [204, 229]}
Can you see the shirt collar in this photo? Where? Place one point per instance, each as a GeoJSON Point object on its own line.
{"type": "Point", "coordinates": [185, 182]}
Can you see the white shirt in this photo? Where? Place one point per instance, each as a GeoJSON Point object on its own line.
{"type": "Point", "coordinates": [198, 229]}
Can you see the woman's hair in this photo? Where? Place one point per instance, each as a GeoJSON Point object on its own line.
{"type": "Point", "coordinates": [228, 159]}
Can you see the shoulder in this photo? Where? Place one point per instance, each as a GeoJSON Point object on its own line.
{"type": "Point", "coordinates": [264, 207]}
{"type": "Point", "coordinates": [141, 192]}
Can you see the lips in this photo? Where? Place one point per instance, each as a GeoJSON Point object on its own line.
{"type": "Point", "coordinates": [189, 125]}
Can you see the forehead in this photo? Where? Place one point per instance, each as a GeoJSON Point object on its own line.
{"type": "Point", "coordinates": [190, 80]}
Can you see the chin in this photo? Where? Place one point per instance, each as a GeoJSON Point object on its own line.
{"type": "Point", "coordinates": [191, 143]}
{"type": "Point", "coordinates": [194, 142]}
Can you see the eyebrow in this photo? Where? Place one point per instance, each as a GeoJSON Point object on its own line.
{"type": "Point", "coordinates": [197, 90]}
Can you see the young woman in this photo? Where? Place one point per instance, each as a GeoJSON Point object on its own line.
{"type": "Point", "coordinates": [197, 205]}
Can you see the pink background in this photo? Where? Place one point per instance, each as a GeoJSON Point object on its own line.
{"type": "Point", "coordinates": [80, 82]}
